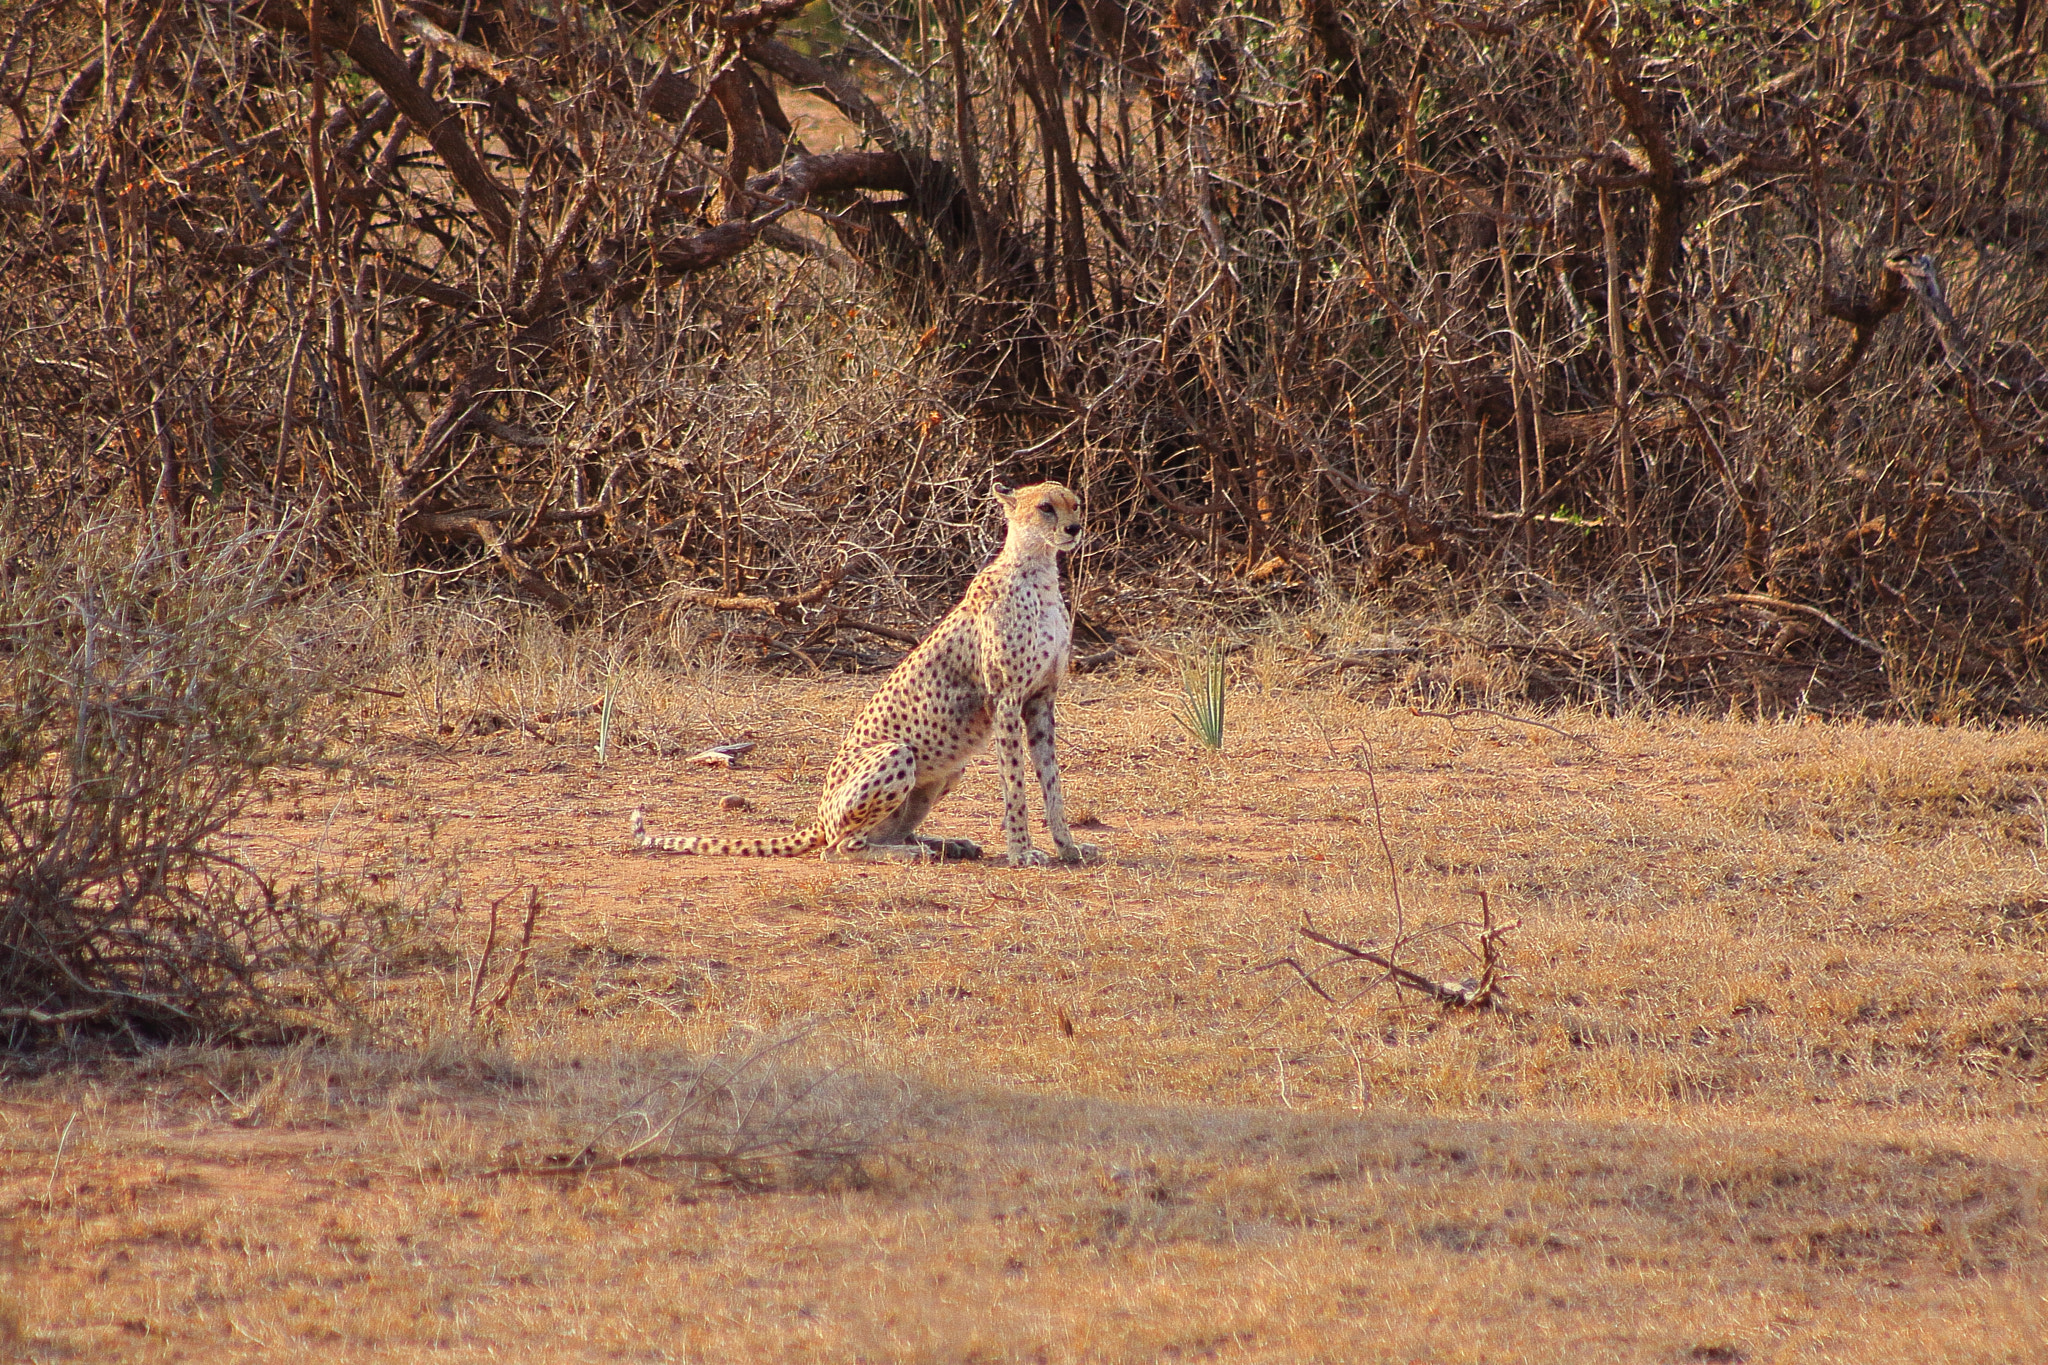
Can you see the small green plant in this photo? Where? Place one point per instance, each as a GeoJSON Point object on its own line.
{"type": "Point", "coordinates": [1203, 686]}
{"type": "Point", "coordinates": [604, 715]}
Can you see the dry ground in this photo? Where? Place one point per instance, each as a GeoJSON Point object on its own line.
{"type": "Point", "coordinates": [1774, 1085]}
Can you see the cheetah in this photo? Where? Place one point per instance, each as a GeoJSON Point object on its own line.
{"type": "Point", "coordinates": [990, 669]}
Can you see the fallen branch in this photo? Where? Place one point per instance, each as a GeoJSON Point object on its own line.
{"type": "Point", "coordinates": [1088, 663]}
{"type": "Point", "coordinates": [1481, 993]}
{"type": "Point", "coordinates": [1363, 659]}
{"type": "Point", "coordinates": [588, 1162]}
{"type": "Point", "coordinates": [1757, 599]}
{"type": "Point", "coordinates": [47, 1017]}
{"type": "Point", "coordinates": [772, 606]}
{"type": "Point", "coordinates": [901, 637]}
{"type": "Point", "coordinates": [461, 523]}
{"type": "Point", "coordinates": [1501, 715]}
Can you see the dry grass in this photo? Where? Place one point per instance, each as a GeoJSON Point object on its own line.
{"type": "Point", "coordinates": [1772, 1087]}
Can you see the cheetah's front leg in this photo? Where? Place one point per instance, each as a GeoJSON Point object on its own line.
{"type": "Point", "coordinates": [1019, 744]}
{"type": "Point", "coordinates": [1009, 740]}
{"type": "Point", "coordinates": [1045, 757]}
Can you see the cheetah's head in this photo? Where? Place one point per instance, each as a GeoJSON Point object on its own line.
{"type": "Point", "coordinates": [1046, 512]}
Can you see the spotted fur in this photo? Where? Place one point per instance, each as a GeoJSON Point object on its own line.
{"type": "Point", "coordinates": [989, 670]}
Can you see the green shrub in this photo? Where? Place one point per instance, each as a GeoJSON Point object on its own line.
{"type": "Point", "coordinates": [1204, 687]}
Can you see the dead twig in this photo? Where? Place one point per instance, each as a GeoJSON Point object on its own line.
{"type": "Point", "coordinates": [743, 1167]}
{"type": "Point", "coordinates": [47, 1017]}
{"type": "Point", "coordinates": [901, 637]}
{"type": "Point", "coordinates": [1481, 992]}
{"type": "Point", "coordinates": [1464, 711]}
{"type": "Point", "coordinates": [1757, 599]}
{"type": "Point", "coordinates": [1365, 658]}
{"type": "Point", "coordinates": [1444, 992]}
{"type": "Point", "coordinates": [483, 963]}
{"type": "Point", "coordinates": [1307, 977]}
{"type": "Point", "coordinates": [504, 994]}
{"type": "Point", "coordinates": [771, 606]}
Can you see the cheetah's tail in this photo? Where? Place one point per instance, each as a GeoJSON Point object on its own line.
{"type": "Point", "coordinates": [782, 846]}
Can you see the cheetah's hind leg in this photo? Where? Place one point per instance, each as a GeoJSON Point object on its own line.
{"type": "Point", "coordinates": [860, 811]}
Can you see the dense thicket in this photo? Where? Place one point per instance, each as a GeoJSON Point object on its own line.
{"type": "Point", "coordinates": [1701, 339]}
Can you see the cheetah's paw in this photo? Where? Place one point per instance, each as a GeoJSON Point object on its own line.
{"type": "Point", "coordinates": [950, 850]}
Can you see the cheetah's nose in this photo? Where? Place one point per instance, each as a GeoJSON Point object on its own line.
{"type": "Point", "coordinates": [1074, 530]}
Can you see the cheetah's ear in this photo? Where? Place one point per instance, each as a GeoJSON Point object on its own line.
{"type": "Point", "coordinates": [1004, 493]}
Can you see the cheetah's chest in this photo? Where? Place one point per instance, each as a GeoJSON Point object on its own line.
{"type": "Point", "coordinates": [1010, 635]}
{"type": "Point", "coordinates": [1031, 639]}
{"type": "Point", "coordinates": [935, 703]}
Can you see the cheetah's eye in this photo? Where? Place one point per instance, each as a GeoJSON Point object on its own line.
{"type": "Point", "coordinates": [1047, 508]}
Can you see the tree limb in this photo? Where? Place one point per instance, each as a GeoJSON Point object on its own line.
{"type": "Point", "coordinates": [439, 123]}
{"type": "Point", "coordinates": [771, 606]}
{"type": "Point", "coordinates": [1754, 599]}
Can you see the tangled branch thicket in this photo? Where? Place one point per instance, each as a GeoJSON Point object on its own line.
{"type": "Point", "coordinates": [1697, 340]}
